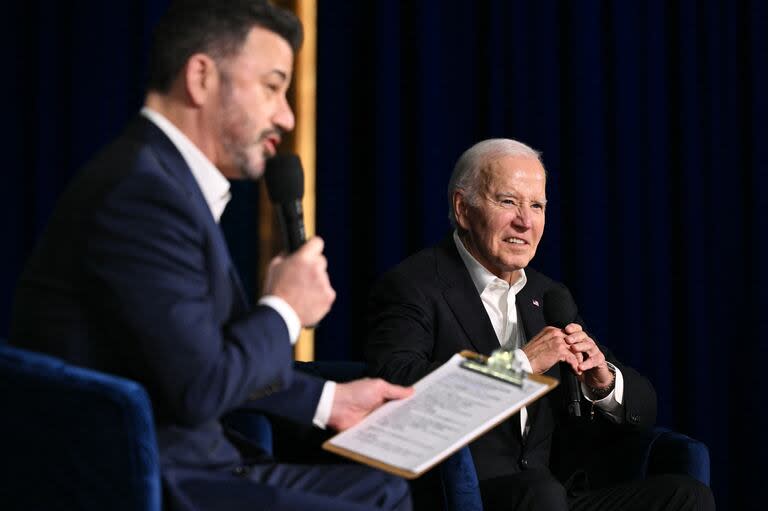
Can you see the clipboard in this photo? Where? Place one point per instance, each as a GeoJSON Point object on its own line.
{"type": "Point", "coordinates": [451, 406]}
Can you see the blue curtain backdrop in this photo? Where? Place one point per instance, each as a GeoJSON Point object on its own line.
{"type": "Point", "coordinates": [651, 117]}
{"type": "Point", "coordinates": [75, 73]}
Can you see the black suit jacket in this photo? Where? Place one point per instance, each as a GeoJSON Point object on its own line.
{"type": "Point", "coordinates": [427, 309]}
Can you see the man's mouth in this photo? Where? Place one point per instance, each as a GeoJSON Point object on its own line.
{"type": "Point", "coordinates": [270, 144]}
{"type": "Point", "coordinates": [516, 241]}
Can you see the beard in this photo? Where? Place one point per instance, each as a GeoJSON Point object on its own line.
{"type": "Point", "coordinates": [244, 150]}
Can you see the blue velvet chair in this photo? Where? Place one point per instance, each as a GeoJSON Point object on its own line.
{"type": "Point", "coordinates": [670, 452]}
{"type": "Point", "coordinates": [72, 438]}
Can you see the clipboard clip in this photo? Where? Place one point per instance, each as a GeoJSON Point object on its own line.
{"type": "Point", "coordinates": [502, 365]}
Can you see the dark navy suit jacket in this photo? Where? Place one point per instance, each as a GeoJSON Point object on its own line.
{"type": "Point", "coordinates": [427, 309]}
{"type": "Point", "coordinates": [133, 277]}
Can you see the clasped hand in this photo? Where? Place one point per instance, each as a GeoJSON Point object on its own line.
{"type": "Point", "coordinates": [573, 346]}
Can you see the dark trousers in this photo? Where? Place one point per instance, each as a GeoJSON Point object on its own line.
{"type": "Point", "coordinates": [538, 490]}
{"type": "Point", "coordinates": [285, 487]}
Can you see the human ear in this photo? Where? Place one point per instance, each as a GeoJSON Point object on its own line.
{"type": "Point", "coordinates": [201, 78]}
{"type": "Point", "coordinates": [460, 209]}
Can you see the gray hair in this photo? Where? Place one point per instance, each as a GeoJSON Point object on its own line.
{"type": "Point", "coordinates": [466, 173]}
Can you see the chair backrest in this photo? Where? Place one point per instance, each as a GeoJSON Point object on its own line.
{"type": "Point", "coordinates": [73, 438]}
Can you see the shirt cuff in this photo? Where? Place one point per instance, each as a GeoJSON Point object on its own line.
{"type": "Point", "coordinates": [523, 359]}
{"type": "Point", "coordinates": [612, 401]}
{"type": "Point", "coordinates": [286, 312]}
{"type": "Point", "coordinates": [325, 405]}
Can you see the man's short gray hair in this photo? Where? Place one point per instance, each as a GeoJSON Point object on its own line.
{"type": "Point", "coordinates": [467, 172]}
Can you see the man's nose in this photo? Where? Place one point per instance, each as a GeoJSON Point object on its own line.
{"type": "Point", "coordinates": [522, 217]}
{"type": "Point", "coordinates": [284, 117]}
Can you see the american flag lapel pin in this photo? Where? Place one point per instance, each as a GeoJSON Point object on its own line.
{"type": "Point", "coordinates": [536, 302]}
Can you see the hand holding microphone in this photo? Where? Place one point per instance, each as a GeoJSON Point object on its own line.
{"type": "Point", "coordinates": [560, 311]}
{"type": "Point", "coordinates": [300, 278]}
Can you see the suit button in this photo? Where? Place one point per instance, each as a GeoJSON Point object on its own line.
{"type": "Point", "coordinates": [634, 418]}
{"type": "Point", "coordinates": [523, 462]}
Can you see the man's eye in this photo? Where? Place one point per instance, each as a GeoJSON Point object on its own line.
{"type": "Point", "coordinates": [537, 205]}
{"type": "Point", "coordinates": [508, 202]}
{"type": "Point", "coordinates": [273, 87]}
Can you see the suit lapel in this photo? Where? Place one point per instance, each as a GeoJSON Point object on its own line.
{"type": "Point", "coordinates": [461, 296]}
{"type": "Point", "coordinates": [530, 307]}
{"type": "Point", "coordinates": [173, 164]}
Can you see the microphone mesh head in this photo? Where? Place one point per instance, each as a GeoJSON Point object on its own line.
{"type": "Point", "coordinates": [284, 178]}
{"type": "Point", "coordinates": [559, 307]}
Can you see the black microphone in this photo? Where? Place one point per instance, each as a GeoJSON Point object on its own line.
{"type": "Point", "coordinates": [559, 311]}
{"type": "Point", "coordinates": [285, 186]}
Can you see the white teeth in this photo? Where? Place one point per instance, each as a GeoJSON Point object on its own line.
{"type": "Point", "coordinates": [517, 241]}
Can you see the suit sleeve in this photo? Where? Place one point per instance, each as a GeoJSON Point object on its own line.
{"type": "Point", "coordinates": [639, 404]}
{"type": "Point", "coordinates": [304, 388]}
{"type": "Point", "coordinates": [149, 272]}
{"type": "Point", "coordinates": [400, 339]}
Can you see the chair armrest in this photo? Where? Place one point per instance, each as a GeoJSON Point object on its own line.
{"type": "Point", "coordinates": [673, 452]}
{"type": "Point", "coordinates": [461, 489]}
{"type": "Point", "coordinates": [74, 438]}
{"type": "Point", "coordinates": [614, 455]}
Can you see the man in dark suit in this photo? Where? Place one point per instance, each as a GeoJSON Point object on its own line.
{"type": "Point", "coordinates": [133, 277]}
{"type": "Point", "coordinates": [475, 291]}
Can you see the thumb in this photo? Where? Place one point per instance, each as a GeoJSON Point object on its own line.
{"type": "Point", "coordinates": [313, 246]}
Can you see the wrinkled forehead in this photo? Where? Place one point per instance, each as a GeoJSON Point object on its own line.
{"type": "Point", "coordinates": [508, 174]}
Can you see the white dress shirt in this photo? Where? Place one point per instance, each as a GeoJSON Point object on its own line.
{"type": "Point", "coordinates": [216, 191]}
{"type": "Point", "coordinates": [500, 302]}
